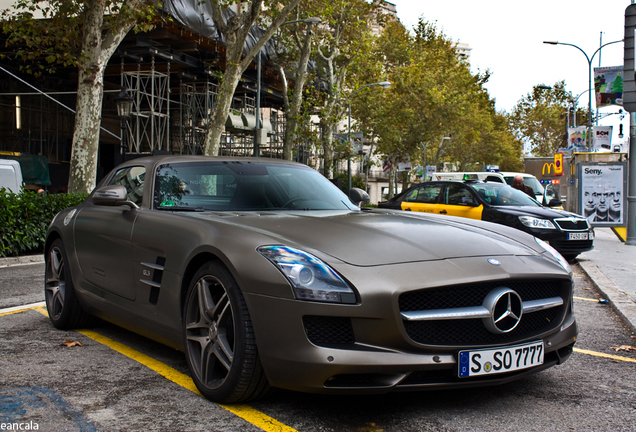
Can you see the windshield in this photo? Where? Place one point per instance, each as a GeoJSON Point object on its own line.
{"type": "Point", "coordinates": [244, 186]}
{"type": "Point", "coordinates": [528, 181]}
{"type": "Point", "coordinates": [499, 194]}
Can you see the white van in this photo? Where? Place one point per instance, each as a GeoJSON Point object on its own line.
{"type": "Point", "coordinates": [11, 175]}
{"type": "Point", "coordinates": [529, 180]}
{"type": "Point", "coordinates": [476, 175]}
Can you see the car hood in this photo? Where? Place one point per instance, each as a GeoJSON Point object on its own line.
{"type": "Point", "coordinates": [376, 238]}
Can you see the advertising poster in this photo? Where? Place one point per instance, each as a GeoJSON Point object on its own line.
{"type": "Point", "coordinates": [404, 164]}
{"type": "Point", "coordinates": [602, 141]}
{"type": "Point", "coordinates": [430, 172]}
{"type": "Point", "coordinates": [603, 193]}
{"type": "Point", "coordinates": [608, 85]}
{"type": "Point", "coordinates": [577, 139]}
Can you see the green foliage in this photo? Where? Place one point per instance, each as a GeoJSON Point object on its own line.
{"type": "Point", "coordinates": [43, 45]}
{"type": "Point", "coordinates": [25, 218]}
{"type": "Point", "coordinates": [539, 118]}
{"type": "Point", "coordinates": [356, 181]}
{"type": "Point", "coordinates": [436, 110]}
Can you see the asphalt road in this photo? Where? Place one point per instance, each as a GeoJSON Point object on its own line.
{"type": "Point", "coordinates": [21, 284]}
{"type": "Point", "coordinates": [118, 381]}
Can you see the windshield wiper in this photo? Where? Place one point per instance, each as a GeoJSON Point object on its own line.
{"type": "Point", "coordinates": [182, 208]}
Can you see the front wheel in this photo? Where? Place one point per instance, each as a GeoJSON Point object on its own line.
{"type": "Point", "coordinates": [220, 346]}
{"type": "Point", "coordinates": [64, 310]}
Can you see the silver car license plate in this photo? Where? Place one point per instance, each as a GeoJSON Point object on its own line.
{"type": "Point", "coordinates": [578, 236]}
{"type": "Point", "coordinates": [500, 360]}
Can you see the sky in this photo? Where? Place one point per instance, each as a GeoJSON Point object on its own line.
{"type": "Point", "coordinates": [507, 37]}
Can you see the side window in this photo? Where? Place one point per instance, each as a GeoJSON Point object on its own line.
{"type": "Point", "coordinates": [132, 178]}
{"type": "Point", "coordinates": [195, 185]}
{"type": "Point", "coordinates": [457, 194]}
{"type": "Point", "coordinates": [428, 194]}
{"type": "Point", "coordinates": [411, 196]}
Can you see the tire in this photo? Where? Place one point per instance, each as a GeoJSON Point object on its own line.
{"type": "Point", "coordinates": [219, 340]}
{"type": "Point", "coordinates": [64, 310]}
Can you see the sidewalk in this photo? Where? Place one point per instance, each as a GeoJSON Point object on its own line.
{"type": "Point", "coordinates": [21, 260]}
{"type": "Point", "coordinates": [612, 267]}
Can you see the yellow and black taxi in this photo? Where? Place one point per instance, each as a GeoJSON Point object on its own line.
{"type": "Point", "coordinates": [568, 233]}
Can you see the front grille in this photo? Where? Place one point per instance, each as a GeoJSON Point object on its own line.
{"type": "Point", "coordinates": [472, 331]}
{"type": "Point", "coordinates": [328, 331]}
{"type": "Point", "coordinates": [567, 224]}
{"type": "Point", "coordinates": [467, 295]}
{"type": "Point", "coordinates": [572, 245]}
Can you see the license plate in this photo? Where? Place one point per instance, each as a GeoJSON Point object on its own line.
{"type": "Point", "coordinates": [500, 360]}
{"type": "Point", "coordinates": [577, 236]}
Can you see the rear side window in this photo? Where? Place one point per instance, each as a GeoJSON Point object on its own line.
{"type": "Point", "coordinates": [457, 194]}
{"type": "Point", "coordinates": [426, 194]}
{"type": "Point", "coordinates": [132, 178]}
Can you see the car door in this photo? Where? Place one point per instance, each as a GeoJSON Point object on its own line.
{"type": "Point", "coordinates": [458, 200]}
{"type": "Point", "coordinates": [103, 237]}
{"type": "Point", "coordinates": [423, 198]}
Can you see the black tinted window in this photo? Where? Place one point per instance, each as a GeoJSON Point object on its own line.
{"type": "Point", "coordinates": [245, 186]}
{"type": "Point", "coordinates": [132, 178]}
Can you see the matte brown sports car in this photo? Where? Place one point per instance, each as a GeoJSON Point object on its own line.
{"type": "Point", "coordinates": [266, 275]}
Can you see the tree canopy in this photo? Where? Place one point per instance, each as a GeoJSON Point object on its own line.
{"type": "Point", "coordinates": [436, 110]}
{"type": "Point", "coordinates": [539, 118]}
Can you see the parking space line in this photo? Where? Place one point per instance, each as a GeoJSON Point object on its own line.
{"type": "Point", "coordinates": [600, 354]}
{"type": "Point", "coordinates": [247, 413]}
{"type": "Point", "coordinates": [17, 309]}
{"type": "Point", "coordinates": [586, 299]}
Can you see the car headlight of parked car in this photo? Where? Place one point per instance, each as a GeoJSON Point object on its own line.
{"type": "Point", "coordinates": [311, 278]}
{"type": "Point", "coordinates": [557, 256]}
{"type": "Point", "coordinates": [533, 222]}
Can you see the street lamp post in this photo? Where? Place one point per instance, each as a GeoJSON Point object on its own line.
{"type": "Point", "coordinates": [124, 108]}
{"type": "Point", "coordinates": [308, 21]}
{"type": "Point", "coordinates": [589, 65]}
{"type": "Point", "coordinates": [384, 84]}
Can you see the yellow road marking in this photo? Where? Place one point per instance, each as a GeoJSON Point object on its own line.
{"type": "Point", "coordinates": [18, 309]}
{"type": "Point", "coordinates": [586, 299]}
{"type": "Point", "coordinates": [600, 354]}
{"type": "Point", "coordinates": [245, 412]}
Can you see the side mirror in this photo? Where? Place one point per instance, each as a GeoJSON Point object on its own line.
{"type": "Point", "coordinates": [555, 202]}
{"type": "Point", "coordinates": [112, 196]}
{"type": "Point", "coordinates": [358, 196]}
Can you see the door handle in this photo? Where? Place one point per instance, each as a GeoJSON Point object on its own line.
{"type": "Point", "coordinates": [443, 212]}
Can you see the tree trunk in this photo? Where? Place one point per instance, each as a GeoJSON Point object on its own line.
{"type": "Point", "coordinates": [297, 97]}
{"type": "Point", "coordinates": [327, 129]}
{"type": "Point", "coordinates": [96, 51]}
{"type": "Point", "coordinates": [216, 127]}
{"type": "Point", "coordinates": [88, 109]}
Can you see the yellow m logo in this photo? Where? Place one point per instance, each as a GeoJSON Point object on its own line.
{"type": "Point", "coordinates": [550, 166]}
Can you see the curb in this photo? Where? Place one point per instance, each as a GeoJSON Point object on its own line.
{"type": "Point", "coordinates": [21, 260]}
{"type": "Point", "coordinates": [621, 302]}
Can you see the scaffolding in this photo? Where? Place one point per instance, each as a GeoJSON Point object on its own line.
{"type": "Point", "coordinates": [149, 125]}
{"type": "Point", "coordinates": [197, 101]}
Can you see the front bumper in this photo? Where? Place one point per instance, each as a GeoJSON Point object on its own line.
{"type": "Point", "coordinates": [365, 348]}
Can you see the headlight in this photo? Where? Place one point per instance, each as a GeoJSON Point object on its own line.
{"type": "Point", "coordinates": [311, 278]}
{"type": "Point", "coordinates": [533, 222]}
{"type": "Point", "coordinates": [557, 256]}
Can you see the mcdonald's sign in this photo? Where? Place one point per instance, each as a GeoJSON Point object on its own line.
{"type": "Point", "coordinates": [548, 166]}
{"type": "Point", "coordinates": [558, 164]}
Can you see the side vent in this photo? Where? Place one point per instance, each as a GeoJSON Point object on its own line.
{"type": "Point", "coordinates": [154, 296]}
{"type": "Point", "coordinates": [157, 276]}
